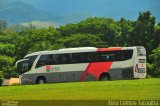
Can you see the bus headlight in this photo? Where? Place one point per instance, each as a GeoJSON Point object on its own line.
{"type": "Point", "coordinates": [20, 76]}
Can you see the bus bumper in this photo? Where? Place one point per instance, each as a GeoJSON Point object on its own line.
{"type": "Point", "coordinates": [25, 80]}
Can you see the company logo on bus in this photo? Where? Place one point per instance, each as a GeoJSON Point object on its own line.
{"type": "Point", "coordinates": [51, 69]}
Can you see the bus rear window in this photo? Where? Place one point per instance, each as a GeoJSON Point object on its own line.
{"type": "Point", "coordinates": [141, 52]}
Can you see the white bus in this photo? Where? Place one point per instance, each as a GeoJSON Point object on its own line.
{"type": "Point", "coordinates": [83, 64]}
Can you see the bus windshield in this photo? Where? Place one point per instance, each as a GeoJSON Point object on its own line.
{"type": "Point", "coordinates": [25, 64]}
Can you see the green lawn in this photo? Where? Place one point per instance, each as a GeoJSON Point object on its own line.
{"type": "Point", "coordinates": [142, 89]}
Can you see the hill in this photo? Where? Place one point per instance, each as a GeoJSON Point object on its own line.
{"type": "Point", "coordinates": [41, 24]}
{"type": "Point", "coordinates": [73, 11]}
{"type": "Point", "coordinates": [100, 8]}
{"type": "Point", "coordinates": [18, 12]}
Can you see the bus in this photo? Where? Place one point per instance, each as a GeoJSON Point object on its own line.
{"type": "Point", "coordinates": [82, 64]}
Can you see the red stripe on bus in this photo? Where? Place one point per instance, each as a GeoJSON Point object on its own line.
{"type": "Point", "coordinates": [85, 72]}
{"type": "Point", "coordinates": [136, 68]}
{"type": "Point", "coordinates": [109, 49]}
{"type": "Point", "coordinates": [95, 69]}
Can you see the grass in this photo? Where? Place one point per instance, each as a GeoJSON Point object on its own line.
{"type": "Point", "coordinates": [142, 89]}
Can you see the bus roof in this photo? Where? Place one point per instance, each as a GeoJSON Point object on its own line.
{"type": "Point", "coordinates": [65, 50]}
{"type": "Point", "coordinates": [79, 49]}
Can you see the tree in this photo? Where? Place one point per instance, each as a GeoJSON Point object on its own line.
{"type": "Point", "coordinates": [155, 58]}
{"type": "Point", "coordinates": [82, 40]}
{"type": "Point", "coordinates": [68, 29]}
{"type": "Point", "coordinates": [5, 39]}
{"type": "Point", "coordinates": [3, 25]}
{"type": "Point", "coordinates": [7, 49]}
{"type": "Point", "coordinates": [143, 31]}
{"type": "Point", "coordinates": [10, 71]}
{"type": "Point", "coordinates": [5, 61]}
{"type": "Point", "coordinates": [41, 46]}
{"type": "Point", "coordinates": [106, 27]}
{"type": "Point", "coordinates": [126, 27]}
{"type": "Point", "coordinates": [1, 78]}
{"type": "Point", "coordinates": [6, 66]}
{"type": "Point", "coordinates": [30, 38]}
{"type": "Point", "coordinates": [156, 41]}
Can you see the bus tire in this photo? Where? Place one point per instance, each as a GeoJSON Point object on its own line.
{"type": "Point", "coordinates": [104, 77]}
{"type": "Point", "coordinates": [41, 80]}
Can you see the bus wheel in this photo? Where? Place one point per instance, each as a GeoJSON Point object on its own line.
{"type": "Point", "coordinates": [41, 80]}
{"type": "Point", "coordinates": [104, 77]}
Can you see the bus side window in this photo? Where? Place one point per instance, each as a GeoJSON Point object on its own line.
{"type": "Point", "coordinates": [108, 56]}
{"type": "Point", "coordinates": [55, 59]}
{"type": "Point", "coordinates": [44, 60]}
{"type": "Point", "coordinates": [123, 55]}
{"type": "Point", "coordinates": [63, 59]}
{"type": "Point", "coordinates": [91, 57]}
{"type": "Point", "coordinates": [76, 58]}
{"type": "Point", "coordinates": [127, 54]}
{"type": "Point", "coordinates": [41, 62]}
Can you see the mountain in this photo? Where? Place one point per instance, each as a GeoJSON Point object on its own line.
{"type": "Point", "coordinates": [115, 9]}
{"type": "Point", "coordinates": [19, 12]}
{"type": "Point", "coordinates": [73, 11]}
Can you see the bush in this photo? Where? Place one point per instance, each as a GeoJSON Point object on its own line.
{"type": "Point", "coordinates": [9, 72]}
{"type": "Point", "coordinates": [149, 76]}
{"type": "Point", "coordinates": [150, 69]}
{"type": "Point", "coordinates": [5, 61]}
{"type": "Point", "coordinates": [155, 58]}
{"type": "Point", "coordinates": [1, 78]}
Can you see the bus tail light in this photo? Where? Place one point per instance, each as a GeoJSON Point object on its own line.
{"type": "Point", "coordinates": [136, 68]}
